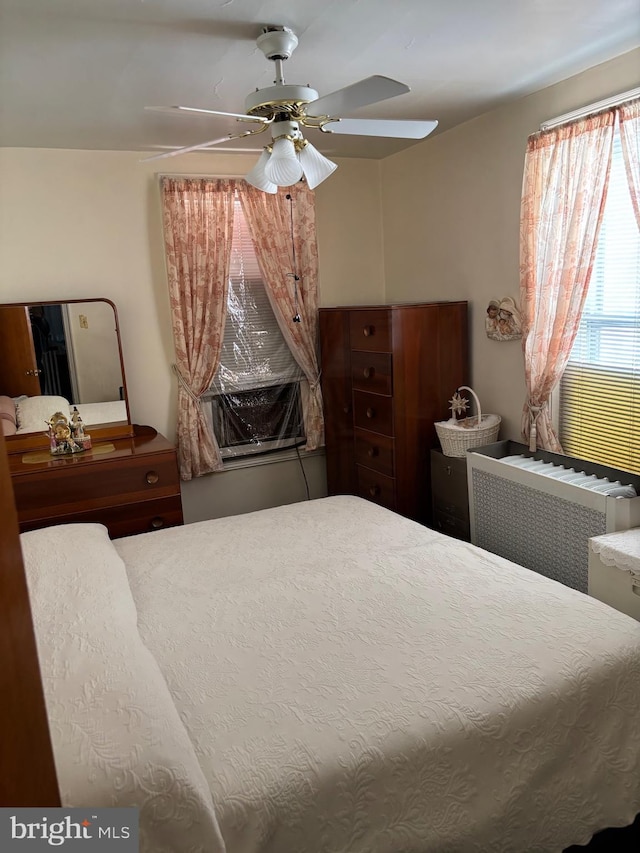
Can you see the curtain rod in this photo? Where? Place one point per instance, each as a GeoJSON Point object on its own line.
{"type": "Point", "coordinates": [591, 108]}
{"type": "Point", "coordinates": [196, 175]}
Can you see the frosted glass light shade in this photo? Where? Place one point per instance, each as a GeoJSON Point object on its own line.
{"type": "Point", "coordinates": [315, 165]}
{"type": "Point", "coordinates": [257, 178]}
{"type": "Point", "coordinates": [283, 167]}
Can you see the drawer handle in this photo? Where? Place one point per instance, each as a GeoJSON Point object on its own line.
{"type": "Point", "coordinates": [152, 477]}
{"type": "Point", "coordinates": [368, 331]}
{"type": "Point", "coordinates": [374, 491]}
{"type": "Point", "coordinates": [156, 523]}
{"type": "Point", "coordinates": [346, 409]}
{"type": "Point", "coordinates": [369, 372]}
{"type": "Point", "coordinates": [372, 451]}
{"type": "Point", "coordinates": [371, 413]}
{"type": "Point", "coordinates": [448, 469]}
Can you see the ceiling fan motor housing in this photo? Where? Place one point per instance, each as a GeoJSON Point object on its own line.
{"type": "Point", "coordinates": [282, 99]}
{"type": "Point", "coordinates": [277, 42]}
{"type": "Point", "coordinates": [285, 98]}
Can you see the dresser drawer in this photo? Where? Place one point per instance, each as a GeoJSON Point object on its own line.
{"type": "Point", "coordinates": [375, 451]}
{"type": "Point", "coordinates": [451, 525]}
{"type": "Point", "coordinates": [370, 330]}
{"type": "Point", "coordinates": [89, 485]}
{"type": "Point", "coordinates": [376, 487]}
{"type": "Point", "coordinates": [373, 412]}
{"type": "Point", "coordinates": [371, 371]}
{"type": "Point", "coordinates": [124, 520]}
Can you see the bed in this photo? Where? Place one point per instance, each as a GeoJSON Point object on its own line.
{"type": "Point", "coordinates": [23, 415]}
{"type": "Point", "coordinates": [329, 676]}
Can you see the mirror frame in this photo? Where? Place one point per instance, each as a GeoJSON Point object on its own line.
{"type": "Point", "coordinates": [101, 432]}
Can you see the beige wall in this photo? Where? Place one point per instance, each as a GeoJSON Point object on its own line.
{"type": "Point", "coordinates": [450, 219]}
{"type": "Point", "coordinates": [77, 224]}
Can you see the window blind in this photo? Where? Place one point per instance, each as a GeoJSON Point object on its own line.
{"type": "Point", "coordinates": [600, 389]}
{"type": "Point", "coordinates": [254, 351]}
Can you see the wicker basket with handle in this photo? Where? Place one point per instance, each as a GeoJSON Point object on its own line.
{"type": "Point", "coordinates": [466, 433]}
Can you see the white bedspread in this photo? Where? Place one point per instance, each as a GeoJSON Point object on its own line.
{"type": "Point", "coordinates": [354, 682]}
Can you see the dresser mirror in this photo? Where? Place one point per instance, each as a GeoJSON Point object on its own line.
{"type": "Point", "coordinates": [56, 352]}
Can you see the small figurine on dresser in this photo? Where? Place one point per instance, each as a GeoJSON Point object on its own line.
{"type": "Point", "coordinates": [77, 430]}
{"type": "Point", "coordinates": [61, 440]}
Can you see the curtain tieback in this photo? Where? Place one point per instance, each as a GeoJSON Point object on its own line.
{"type": "Point", "coordinates": [316, 382]}
{"type": "Point", "coordinates": [185, 385]}
{"type": "Point", "coordinates": [534, 412]}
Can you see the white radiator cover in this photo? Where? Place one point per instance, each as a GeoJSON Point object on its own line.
{"type": "Point", "coordinates": [539, 522]}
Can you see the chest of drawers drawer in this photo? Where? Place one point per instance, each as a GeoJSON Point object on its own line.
{"type": "Point", "coordinates": [371, 371]}
{"type": "Point", "coordinates": [370, 330]}
{"type": "Point", "coordinates": [451, 525]}
{"type": "Point", "coordinates": [376, 487]}
{"type": "Point", "coordinates": [375, 451]}
{"type": "Point", "coordinates": [373, 412]}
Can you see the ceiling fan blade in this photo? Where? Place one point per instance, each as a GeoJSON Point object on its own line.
{"type": "Point", "coordinates": [212, 148]}
{"type": "Point", "coordinates": [178, 109]}
{"type": "Point", "coordinates": [398, 129]}
{"type": "Point", "coordinates": [361, 94]}
{"type": "Point", "coordinates": [186, 150]}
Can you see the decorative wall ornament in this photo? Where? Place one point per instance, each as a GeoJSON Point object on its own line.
{"type": "Point", "coordinates": [503, 321]}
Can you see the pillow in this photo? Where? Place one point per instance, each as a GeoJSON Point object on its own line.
{"type": "Point", "coordinates": [117, 737]}
{"type": "Point", "coordinates": [7, 415]}
{"type": "Point", "coordinates": [32, 413]}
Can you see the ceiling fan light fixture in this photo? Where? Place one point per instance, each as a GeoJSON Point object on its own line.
{"type": "Point", "coordinates": [257, 177]}
{"type": "Point", "coordinates": [283, 168]}
{"type": "Point", "coordinates": [316, 166]}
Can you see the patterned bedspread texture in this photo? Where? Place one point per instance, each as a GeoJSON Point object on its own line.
{"type": "Point", "coordinates": [329, 677]}
{"type": "Point", "coordinates": [116, 734]}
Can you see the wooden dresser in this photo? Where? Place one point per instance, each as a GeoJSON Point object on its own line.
{"type": "Point", "coordinates": [132, 488]}
{"type": "Point", "coordinates": [388, 373]}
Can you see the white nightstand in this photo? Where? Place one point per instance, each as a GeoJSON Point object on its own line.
{"type": "Point", "coordinates": [614, 570]}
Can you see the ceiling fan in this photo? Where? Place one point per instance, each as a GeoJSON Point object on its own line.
{"type": "Point", "coordinates": [284, 108]}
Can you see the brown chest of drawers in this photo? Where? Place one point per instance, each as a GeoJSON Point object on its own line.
{"type": "Point", "coordinates": [388, 372]}
{"type": "Point", "coordinates": [132, 488]}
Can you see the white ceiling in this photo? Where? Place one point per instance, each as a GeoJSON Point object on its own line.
{"type": "Point", "coordinates": [78, 73]}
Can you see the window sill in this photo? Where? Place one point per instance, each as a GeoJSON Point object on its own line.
{"type": "Point", "coordinates": [287, 455]}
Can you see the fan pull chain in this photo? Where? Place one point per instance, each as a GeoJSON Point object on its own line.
{"type": "Point", "coordinates": [296, 278]}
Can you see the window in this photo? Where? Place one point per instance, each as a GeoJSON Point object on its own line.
{"type": "Point", "coordinates": [255, 395]}
{"type": "Point", "coordinates": [600, 390]}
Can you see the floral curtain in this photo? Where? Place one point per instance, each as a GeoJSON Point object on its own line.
{"type": "Point", "coordinates": [283, 230]}
{"type": "Point", "coordinates": [198, 230]}
{"type": "Point", "coordinates": [565, 182]}
{"type": "Point", "coordinates": [629, 114]}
